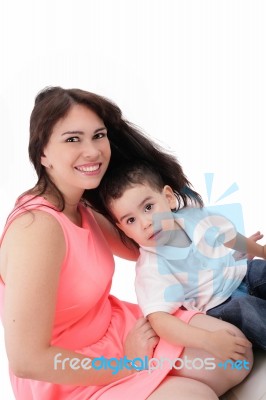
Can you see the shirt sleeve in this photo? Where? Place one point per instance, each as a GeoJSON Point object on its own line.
{"type": "Point", "coordinates": [156, 291]}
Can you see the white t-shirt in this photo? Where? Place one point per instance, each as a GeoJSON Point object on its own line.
{"type": "Point", "coordinates": [198, 272]}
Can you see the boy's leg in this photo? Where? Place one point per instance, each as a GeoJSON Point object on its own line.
{"type": "Point", "coordinates": [248, 313]}
{"type": "Point", "coordinates": [256, 278]}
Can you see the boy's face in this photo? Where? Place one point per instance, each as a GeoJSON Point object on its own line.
{"type": "Point", "coordinates": [144, 214]}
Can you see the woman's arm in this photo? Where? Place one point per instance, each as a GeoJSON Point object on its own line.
{"type": "Point", "coordinates": [34, 247]}
{"type": "Point", "coordinates": [221, 344]}
{"type": "Point", "coordinates": [129, 252]}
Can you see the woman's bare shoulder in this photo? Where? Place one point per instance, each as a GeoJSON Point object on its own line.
{"type": "Point", "coordinates": [32, 235]}
{"type": "Point", "coordinates": [33, 221]}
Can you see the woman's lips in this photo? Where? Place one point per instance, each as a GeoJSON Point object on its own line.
{"type": "Point", "coordinates": [89, 169]}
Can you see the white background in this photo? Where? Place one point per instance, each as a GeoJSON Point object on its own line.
{"type": "Point", "coordinates": [191, 73]}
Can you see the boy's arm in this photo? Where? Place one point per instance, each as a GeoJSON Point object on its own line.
{"type": "Point", "coordinates": [248, 246]}
{"type": "Point", "coordinates": [221, 343]}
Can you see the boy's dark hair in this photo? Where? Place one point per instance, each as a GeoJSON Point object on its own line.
{"type": "Point", "coordinates": [119, 179]}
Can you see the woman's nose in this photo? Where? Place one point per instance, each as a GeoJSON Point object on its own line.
{"type": "Point", "coordinates": [90, 150]}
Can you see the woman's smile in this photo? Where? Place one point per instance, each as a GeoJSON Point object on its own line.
{"type": "Point", "coordinates": [89, 169]}
{"type": "Point", "coordinates": [78, 152]}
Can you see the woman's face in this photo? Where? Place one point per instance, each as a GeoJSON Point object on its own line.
{"type": "Point", "coordinates": [78, 152]}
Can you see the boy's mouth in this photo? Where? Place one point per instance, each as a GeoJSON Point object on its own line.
{"type": "Point", "coordinates": [154, 235]}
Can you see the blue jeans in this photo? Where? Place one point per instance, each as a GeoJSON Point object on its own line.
{"type": "Point", "coordinates": [248, 311]}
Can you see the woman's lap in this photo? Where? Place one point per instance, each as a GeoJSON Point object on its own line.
{"type": "Point", "coordinates": [175, 388]}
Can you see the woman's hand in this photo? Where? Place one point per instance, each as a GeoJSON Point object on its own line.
{"type": "Point", "coordinates": [141, 340]}
{"type": "Point", "coordinates": [225, 345]}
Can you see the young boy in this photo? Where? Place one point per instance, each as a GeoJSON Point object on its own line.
{"type": "Point", "coordinates": [185, 256]}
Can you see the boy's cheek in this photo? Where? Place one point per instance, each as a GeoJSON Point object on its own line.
{"type": "Point", "coordinates": [125, 230]}
{"type": "Point", "coordinates": [168, 225]}
{"type": "Point", "coordinates": [121, 227]}
{"type": "Point", "coordinates": [132, 235]}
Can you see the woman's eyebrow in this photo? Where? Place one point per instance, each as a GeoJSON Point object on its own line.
{"type": "Point", "coordinates": [72, 133]}
{"type": "Point", "coordinates": [82, 133]}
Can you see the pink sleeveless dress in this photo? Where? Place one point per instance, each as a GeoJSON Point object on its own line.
{"type": "Point", "coordinates": [88, 319]}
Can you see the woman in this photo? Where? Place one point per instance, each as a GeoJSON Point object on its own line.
{"type": "Point", "coordinates": [56, 269]}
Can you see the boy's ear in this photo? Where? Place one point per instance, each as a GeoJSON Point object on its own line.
{"type": "Point", "coordinates": [170, 196]}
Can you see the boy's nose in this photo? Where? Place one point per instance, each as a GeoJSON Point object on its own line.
{"type": "Point", "coordinates": [146, 222]}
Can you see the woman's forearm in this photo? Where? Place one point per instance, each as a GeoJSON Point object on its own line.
{"type": "Point", "coordinates": [61, 366]}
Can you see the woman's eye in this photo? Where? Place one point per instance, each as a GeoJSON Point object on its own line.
{"type": "Point", "coordinates": [148, 207]}
{"type": "Point", "coordinates": [73, 139]}
{"type": "Point", "coordinates": [130, 220]}
{"type": "Point", "coordinates": [100, 135]}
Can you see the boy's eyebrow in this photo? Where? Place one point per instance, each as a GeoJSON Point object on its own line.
{"type": "Point", "coordinates": [82, 133]}
{"type": "Point", "coordinates": [139, 206]}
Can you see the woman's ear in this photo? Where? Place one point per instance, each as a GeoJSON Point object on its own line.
{"type": "Point", "coordinates": [45, 162]}
{"type": "Point", "coordinates": [170, 196]}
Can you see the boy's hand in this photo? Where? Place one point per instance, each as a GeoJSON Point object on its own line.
{"type": "Point", "coordinates": [264, 252]}
{"type": "Point", "coordinates": [224, 345]}
{"type": "Point", "coordinates": [255, 237]}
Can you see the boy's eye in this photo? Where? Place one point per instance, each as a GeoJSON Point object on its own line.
{"type": "Point", "coordinates": [73, 139]}
{"type": "Point", "coordinates": [148, 207]}
{"type": "Point", "coordinates": [130, 220]}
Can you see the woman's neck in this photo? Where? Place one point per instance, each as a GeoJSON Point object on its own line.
{"type": "Point", "coordinates": [71, 209]}
{"type": "Point", "coordinates": [73, 214]}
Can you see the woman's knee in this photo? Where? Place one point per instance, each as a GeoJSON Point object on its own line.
{"type": "Point", "coordinates": [241, 367]}
{"type": "Point", "coordinates": [221, 378]}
